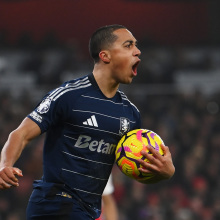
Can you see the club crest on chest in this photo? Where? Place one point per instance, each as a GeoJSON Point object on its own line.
{"type": "Point", "coordinates": [124, 126]}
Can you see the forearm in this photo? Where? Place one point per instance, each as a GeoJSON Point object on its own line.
{"type": "Point", "coordinates": [13, 148]}
{"type": "Point", "coordinates": [17, 141]}
{"type": "Point", "coordinates": [10, 153]}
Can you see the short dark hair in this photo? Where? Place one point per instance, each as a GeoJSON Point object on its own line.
{"type": "Point", "coordinates": [102, 38]}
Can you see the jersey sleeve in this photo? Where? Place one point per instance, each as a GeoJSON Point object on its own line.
{"type": "Point", "coordinates": [48, 112]}
{"type": "Point", "coordinates": [109, 188]}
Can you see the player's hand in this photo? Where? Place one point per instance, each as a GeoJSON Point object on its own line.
{"type": "Point", "coordinates": [8, 177]}
{"type": "Point", "coordinates": [161, 166]}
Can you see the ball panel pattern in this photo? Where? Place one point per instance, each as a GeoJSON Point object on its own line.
{"type": "Point", "coordinates": [128, 151]}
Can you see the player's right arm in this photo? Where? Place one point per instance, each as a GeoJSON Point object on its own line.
{"type": "Point", "coordinates": [12, 150]}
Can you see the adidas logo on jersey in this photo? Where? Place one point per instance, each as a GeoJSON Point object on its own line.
{"type": "Point", "coordinates": [91, 121]}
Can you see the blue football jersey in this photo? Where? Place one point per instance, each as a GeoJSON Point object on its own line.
{"type": "Point", "coordinates": [83, 128]}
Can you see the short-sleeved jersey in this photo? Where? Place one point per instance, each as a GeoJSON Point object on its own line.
{"type": "Point", "coordinates": [83, 128]}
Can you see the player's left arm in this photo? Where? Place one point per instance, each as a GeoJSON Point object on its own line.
{"type": "Point", "coordinates": [161, 166]}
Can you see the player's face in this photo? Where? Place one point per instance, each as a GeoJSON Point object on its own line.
{"type": "Point", "coordinates": [124, 56]}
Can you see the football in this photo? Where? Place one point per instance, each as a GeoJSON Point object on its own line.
{"type": "Point", "coordinates": [128, 151]}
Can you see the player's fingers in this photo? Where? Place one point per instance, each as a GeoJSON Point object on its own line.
{"type": "Point", "coordinates": [7, 175]}
{"type": "Point", "coordinates": [5, 185]}
{"type": "Point", "coordinates": [153, 153]}
{"type": "Point", "coordinates": [147, 167]}
{"type": "Point", "coordinates": [150, 158]}
{"type": "Point", "coordinates": [165, 149]}
{"type": "Point", "coordinates": [7, 181]}
{"type": "Point", "coordinates": [17, 171]}
{"type": "Point", "coordinates": [146, 171]}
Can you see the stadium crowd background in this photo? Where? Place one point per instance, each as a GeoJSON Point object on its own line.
{"type": "Point", "coordinates": [178, 93]}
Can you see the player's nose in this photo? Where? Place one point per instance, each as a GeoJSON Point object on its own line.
{"type": "Point", "coordinates": [137, 52]}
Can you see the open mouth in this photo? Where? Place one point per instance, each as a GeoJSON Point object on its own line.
{"type": "Point", "coordinates": [134, 67]}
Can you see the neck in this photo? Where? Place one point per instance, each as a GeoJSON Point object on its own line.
{"type": "Point", "coordinates": [105, 81]}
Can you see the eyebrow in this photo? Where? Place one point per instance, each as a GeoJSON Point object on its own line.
{"type": "Point", "coordinates": [131, 42]}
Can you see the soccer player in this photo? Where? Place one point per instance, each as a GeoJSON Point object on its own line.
{"type": "Point", "coordinates": [84, 119]}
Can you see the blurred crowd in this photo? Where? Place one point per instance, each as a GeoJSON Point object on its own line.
{"type": "Point", "coordinates": [190, 126]}
{"type": "Point", "coordinates": [188, 122]}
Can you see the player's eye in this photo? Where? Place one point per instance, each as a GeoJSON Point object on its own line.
{"type": "Point", "coordinates": [128, 45]}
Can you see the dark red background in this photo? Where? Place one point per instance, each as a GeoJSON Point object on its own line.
{"type": "Point", "coordinates": [166, 23]}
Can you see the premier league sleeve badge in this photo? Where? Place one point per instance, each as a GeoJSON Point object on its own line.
{"type": "Point", "coordinates": [44, 106]}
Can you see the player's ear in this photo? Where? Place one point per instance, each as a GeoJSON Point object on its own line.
{"type": "Point", "coordinates": [104, 55]}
